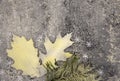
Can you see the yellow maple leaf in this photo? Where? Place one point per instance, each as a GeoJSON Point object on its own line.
{"type": "Point", "coordinates": [55, 51]}
{"type": "Point", "coordinates": [24, 55]}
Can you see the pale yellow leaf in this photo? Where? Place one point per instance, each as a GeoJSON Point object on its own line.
{"type": "Point", "coordinates": [56, 50]}
{"type": "Point", "coordinates": [24, 55]}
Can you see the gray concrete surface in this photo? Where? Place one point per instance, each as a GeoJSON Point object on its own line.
{"type": "Point", "coordinates": [94, 24]}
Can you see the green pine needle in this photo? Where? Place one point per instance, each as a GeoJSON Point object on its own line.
{"type": "Point", "coordinates": [71, 70]}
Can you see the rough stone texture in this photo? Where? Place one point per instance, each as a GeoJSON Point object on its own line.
{"type": "Point", "coordinates": [94, 24]}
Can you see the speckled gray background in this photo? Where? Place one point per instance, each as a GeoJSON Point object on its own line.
{"type": "Point", "coordinates": [94, 24]}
